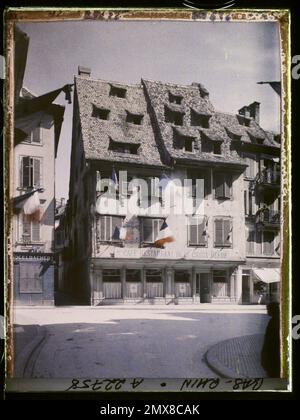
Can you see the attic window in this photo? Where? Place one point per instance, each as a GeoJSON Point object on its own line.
{"type": "Point", "coordinates": [211, 146]}
{"type": "Point", "coordinates": [244, 121]}
{"type": "Point", "coordinates": [117, 91]}
{"type": "Point", "coordinates": [217, 148]}
{"type": "Point", "coordinates": [134, 118]}
{"type": "Point", "coordinates": [173, 117]}
{"type": "Point", "coordinates": [185, 143]}
{"type": "Point", "coordinates": [233, 136]}
{"type": "Point", "coordinates": [175, 99]}
{"type": "Point", "coordinates": [101, 113]}
{"type": "Point", "coordinates": [199, 120]}
{"type": "Point", "coordinates": [119, 147]}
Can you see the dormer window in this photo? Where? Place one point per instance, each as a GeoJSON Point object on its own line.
{"type": "Point", "coordinates": [120, 147]}
{"type": "Point", "coordinates": [244, 120]}
{"type": "Point", "coordinates": [217, 148]}
{"type": "Point", "coordinates": [119, 92]}
{"type": "Point", "coordinates": [184, 143]}
{"type": "Point", "coordinates": [211, 145]}
{"type": "Point", "coordinates": [134, 118]}
{"type": "Point", "coordinates": [101, 113]}
{"type": "Point", "coordinates": [173, 117]}
{"type": "Point", "coordinates": [175, 99]}
{"type": "Point", "coordinates": [199, 120]}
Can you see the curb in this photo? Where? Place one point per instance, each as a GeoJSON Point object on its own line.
{"type": "Point", "coordinates": [24, 362]}
{"type": "Point", "coordinates": [220, 368]}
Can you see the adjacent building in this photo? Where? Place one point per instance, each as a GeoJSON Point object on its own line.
{"type": "Point", "coordinates": [227, 253]}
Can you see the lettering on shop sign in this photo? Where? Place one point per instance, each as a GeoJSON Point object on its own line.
{"type": "Point", "coordinates": [198, 384]}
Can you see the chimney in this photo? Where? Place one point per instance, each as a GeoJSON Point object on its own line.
{"type": "Point", "coordinates": [255, 111]}
{"type": "Point", "coordinates": [84, 71]}
{"type": "Point", "coordinates": [203, 91]}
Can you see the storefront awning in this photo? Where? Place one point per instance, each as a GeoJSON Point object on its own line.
{"type": "Point", "coordinates": [267, 275]}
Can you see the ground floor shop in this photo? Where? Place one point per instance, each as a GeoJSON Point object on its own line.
{"type": "Point", "coordinates": [164, 283]}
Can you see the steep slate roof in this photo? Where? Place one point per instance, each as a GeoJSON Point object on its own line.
{"type": "Point", "coordinates": [221, 125]}
{"type": "Point", "coordinates": [97, 133]}
{"type": "Point", "coordinates": [155, 135]}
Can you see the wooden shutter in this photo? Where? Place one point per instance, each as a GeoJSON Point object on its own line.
{"type": "Point", "coordinates": [147, 230]}
{"type": "Point", "coordinates": [218, 232]}
{"type": "Point", "coordinates": [268, 244]}
{"type": "Point", "coordinates": [227, 185]}
{"type": "Point", "coordinates": [36, 135]}
{"type": "Point", "coordinates": [193, 233]}
{"type": "Point", "coordinates": [25, 172]}
{"type": "Point", "coordinates": [227, 231]}
{"type": "Point", "coordinates": [157, 223]}
{"type": "Point", "coordinates": [250, 242]}
{"type": "Point", "coordinates": [36, 172]}
{"type": "Point", "coordinates": [35, 231]}
{"type": "Point", "coordinates": [219, 185]}
{"type": "Point", "coordinates": [26, 231]}
{"type": "Point", "coordinates": [201, 231]}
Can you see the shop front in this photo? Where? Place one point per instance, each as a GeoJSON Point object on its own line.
{"type": "Point", "coordinates": [260, 285]}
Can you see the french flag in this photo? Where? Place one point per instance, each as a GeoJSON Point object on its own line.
{"type": "Point", "coordinates": [163, 181]}
{"type": "Point", "coordinates": [164, 236]}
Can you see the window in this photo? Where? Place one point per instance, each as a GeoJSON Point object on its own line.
{"type": "Point", "coordinates": [150, 229]}
{"type": "Point", "coordinates": [134, 118]}
{"type": "Point", "coordinates": [251, 168]}
{"type": "Point", "coordinates": [121, 147]}
{"type": "Point", "coordinates": [184, 143]}
{"type": "Point", "coordinates": [173, 117]}
{"type": "Point", "coordinates": [268, 243]}
{"type": "Point", "coordinates": [249, 203]}
{"type": "Point", "coordinates": [111, 275]}
{"type": "Point", "coordinates": [223, 232]}
{"type": "Point", "coordinates": [30, 172]}
{"type": "Point", "coordinates": [153, 276]}
{"type": "Point", "coordinates": [133, 275]}
{"type": "Point", "coordinates": [250, 242]}
{"type": "Point", "coordinates": [30, 230]}
{"type": "Point", "coordinates": [101, 113]}
{"type": "Point", "coordinates": [222, 185]}
{"type": "Point", "coordinates": [117, 91]}
{"type": "Point", "coordinates": [30, 280]}
{"type": "Point", "coordinates": [199, 120]}
{"type": "Point", "coordinates": [182, 276]}
{"type": "Point", "coordinates": [217, 148]}
{"type": "Point", "coordinates": [107, 228]}
{"type": "Point", "coordinates": [243, 120]}
{"type": "Point", "coordinates": [200, 174]}
{"type": "Point", "coordinates": [197, 231]}
{"type": "Point", "coordinates": [219, 276]}
{"type": "Point", "coordinates": [35, 136]}
{"type": "Point", "coordinates": [175, 99]}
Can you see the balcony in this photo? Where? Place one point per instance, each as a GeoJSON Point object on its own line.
{"type": "Point", "coordinates": [267, 218]}
{"type": "Point", "coordinates": [268, 178]}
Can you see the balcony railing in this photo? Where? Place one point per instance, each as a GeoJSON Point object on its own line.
{"type": "Point", "coordinates": [268, 216]}
{"type": "Point", "coordinates": [269, 177]}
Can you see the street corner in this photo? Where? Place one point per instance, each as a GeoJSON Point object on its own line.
{"type": "Point", "coordinates": [238, 357]}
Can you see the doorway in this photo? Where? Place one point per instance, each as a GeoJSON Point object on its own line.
{"type": "Point", "coordinates": [246, 288]}
{"type": "Point", "coordinates": [203, 287]}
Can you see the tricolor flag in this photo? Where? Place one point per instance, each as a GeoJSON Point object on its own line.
{"type": "Point", "coordinates": [164, 235]}
{"type": "Point", "coordinates": [29, 203]}
{"type": "Point", "coordinates": [163, 181]}
{"type": "Point", "coordinates": [114, 179]}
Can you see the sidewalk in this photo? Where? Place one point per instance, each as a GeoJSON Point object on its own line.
{"type": "Point", "coordinates": [238, 357]}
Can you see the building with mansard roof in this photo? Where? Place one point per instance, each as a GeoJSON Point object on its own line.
{"type": "Point", "coordinates": [229, 252]}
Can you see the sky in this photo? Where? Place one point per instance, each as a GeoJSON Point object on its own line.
{"type": "Point", "coordinates": [228, 58]}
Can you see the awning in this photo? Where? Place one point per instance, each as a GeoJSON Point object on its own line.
{"type": "Point", "coordinates": [267, 275]}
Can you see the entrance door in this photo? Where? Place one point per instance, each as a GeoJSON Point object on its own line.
{"type": "Point", "coordinates": [203, 287]}
{"type": "Point", "coordinates": [245, 289]}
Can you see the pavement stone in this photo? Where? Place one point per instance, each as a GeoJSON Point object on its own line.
{"type": "Point", "coordinates": [238, 357]}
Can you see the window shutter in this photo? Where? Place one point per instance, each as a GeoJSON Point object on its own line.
{"type": "Point", "coordinates": [193, 232]}
{"type": "Point", "coordinates": [227, 231]}
{"type": "Point", "coordinates": [36, 135]}
{"type": "Point", "coordinates": [25, 171]}
{"type": "Point", "coordinates": [157, 223]}
{"type": "Point", "coordinates": [258, 242]}
{"type": "Point", "coordinates": [268, 245]}
{"type": "Point", "coordinates": [218, 232]}
{"type": "Point", "coordinates": [35, 226]}
{"type": "Point", "coordinates": [219, 185]}
{"type": "Point", "coordinates": [147, 230]}
{"type": "Point", "coordinates": [201, 231]}
{"type": "Point", "coordinates": [250, 242]}
{"type": "Point", "coordinates": [36, 172]}
{"type": "Point", "coordinates": [227, 186]}
{"type": "Point", "coordinates": [101, 225]}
